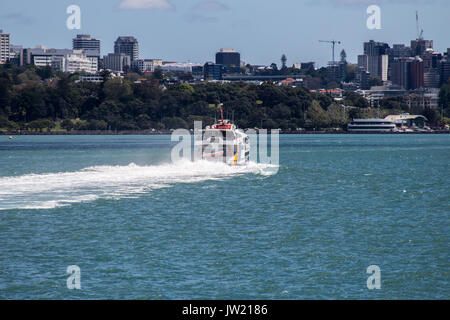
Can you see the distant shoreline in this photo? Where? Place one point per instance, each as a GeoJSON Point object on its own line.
{"type": "Point", "coordinates": [145, 133]}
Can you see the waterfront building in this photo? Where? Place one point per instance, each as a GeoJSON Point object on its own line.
{"type": "Point", "coordinates": [377, 93]}
{"type": "Point", "coordinates": [424, 98]}
{"type": "Point", "coordinates": [371, 125]}
{"type": "Point", "coordinates": [392, 123]}
{"type": "Point", "coordinates": [414, 122]}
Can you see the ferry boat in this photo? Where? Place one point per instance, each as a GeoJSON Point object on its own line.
{"type": "Point", "coordinates": [224, 142]}
{"type": "Point", "coordinates": [371, 125]}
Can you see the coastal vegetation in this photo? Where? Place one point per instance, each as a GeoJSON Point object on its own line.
{"type": "Point", "coordinates": [41, 100]}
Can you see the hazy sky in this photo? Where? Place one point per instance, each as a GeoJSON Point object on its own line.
{"type": "Point", "coordinates": [262, 30]}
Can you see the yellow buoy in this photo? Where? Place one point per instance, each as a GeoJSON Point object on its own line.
{"type": "Point", "coordinates": [10, 137]}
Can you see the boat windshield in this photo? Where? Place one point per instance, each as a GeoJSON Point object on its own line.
{"type": "Point", "coordinates": [214, 134]}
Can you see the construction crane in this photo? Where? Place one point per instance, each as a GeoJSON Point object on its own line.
{"type": "Point", "coordinates": [419, 33]}
{"type": "Point", "coordinates": [333, 43]}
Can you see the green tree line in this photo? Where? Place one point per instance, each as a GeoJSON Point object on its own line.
{"type": "Point", "coordinates": [39, 99]}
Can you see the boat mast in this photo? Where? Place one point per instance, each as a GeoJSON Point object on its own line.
{"type": "Point", "coordinates": [221, 110]}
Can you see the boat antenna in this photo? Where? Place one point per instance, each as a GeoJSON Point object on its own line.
{"type": "Point", "coordinates": [221, 110]}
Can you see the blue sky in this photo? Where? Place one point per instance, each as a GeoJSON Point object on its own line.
{"type": "Point", "coordinates": [262, 30]}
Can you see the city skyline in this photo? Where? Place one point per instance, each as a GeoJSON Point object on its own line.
{"type": "Point", "coordinates": [195, 30]}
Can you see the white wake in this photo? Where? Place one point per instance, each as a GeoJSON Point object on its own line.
{"type": "Point", "coordinates": [51, 190]}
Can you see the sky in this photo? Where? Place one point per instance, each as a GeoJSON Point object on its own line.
{"type": "Point", "coordinates": [262, 30]}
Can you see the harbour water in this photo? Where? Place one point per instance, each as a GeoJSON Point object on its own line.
{"type": "Point", "coordinates": [140, 227]}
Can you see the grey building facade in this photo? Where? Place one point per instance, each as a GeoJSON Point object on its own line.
{"type": "Point", "coordinates": [127, 45]}
{"type": "Point", "coordinates": [116, 61]}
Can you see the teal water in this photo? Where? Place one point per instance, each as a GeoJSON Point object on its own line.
{"type": "Point", "coordinates": [141, 228]}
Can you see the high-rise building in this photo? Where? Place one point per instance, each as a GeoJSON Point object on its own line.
{"type": "Point", "coordinates": [416, 74]}
{"type": "Point", "coordinates": [431, 63]}
{"type": "Point", "coordinates": [378, 66]}
{"type": "Point", "coordinates": [14, 53]}
{"type": "Point", "coordinates": [85, 42]}
{"type": "Point", "coordinates": [398, 51]}
{"type": "Point", "coordinates": [25, 56]}
{"type": "Point", "coordinates": [377, 59]}
{"type": "Point", "coordinates": [419, 46]}
{"type": "Point", "coordinates": [408, 73]}
{"type": "Point", "coordinates": [228, 58]}
{"type": "Point", "coordinates": [363, 62]}
{"type": "Point", "coordinates": [373, 48]}
{"type": "Point", "coordinates": [5, 47]}
{"type": "Point", "coordinates": [127, 45]}
{"type": "Point", "coordinates": [90, 46]}
{"type": "Point", "coordinates": [432, 78]}
{"type": "Point", "coordinates": [333, 71]}
{"type": "Point", "coordinates": [212, 71]}
{"type": "Point", "coordinates": [444, 68]}
{"type": "Point", "coordinates": [400, 72]}
{"type": "Point", "coordinates": [362, 77]}
{"type": "Point", "coordinates": [116, 61]}
{"type": "Point", "coordinates": [383, 67]}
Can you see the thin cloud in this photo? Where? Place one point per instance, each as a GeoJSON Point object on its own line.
{"type": "Point", "coordinates": [199, 18]}
{"type": "Point", "coordinates": [146, 5]}
{"type": "Point", "coordinates": [211, 6]}
{"type": "Point", "coordinates": [16, 17]}
{"type": "Point", "coordinates": [370, 2]}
